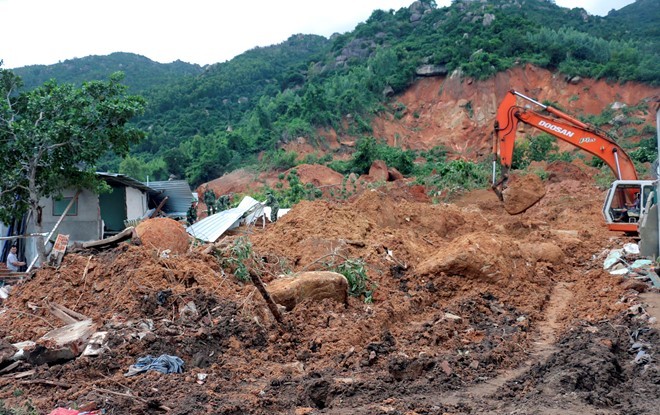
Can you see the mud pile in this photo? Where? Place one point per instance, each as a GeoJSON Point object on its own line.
{"type": "Point", "coordinates": [463, 293]}
{"type": "Point", "coordinates": [163, 234]}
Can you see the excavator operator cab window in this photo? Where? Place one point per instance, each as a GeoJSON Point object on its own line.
{"type": "Point", "coordinates": [627, 204]}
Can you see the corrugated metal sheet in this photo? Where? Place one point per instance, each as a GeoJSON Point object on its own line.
{"type": "Point", "coordinates": [179, 195]}
{"type": "Point", "coordinates": [116, 178]}
{"type": "Point", "coordinates": [211, 228]}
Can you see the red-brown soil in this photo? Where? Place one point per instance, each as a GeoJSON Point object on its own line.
{"type": "Point", "coordinates": [163, 234]}
{"type": "Point", "coordinates": [458, 113]}
{"type": "Point", "coordinates": [474, 311]}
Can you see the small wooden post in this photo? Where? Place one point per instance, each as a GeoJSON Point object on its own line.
{"type": "Point", "coordinates": [269, 301]}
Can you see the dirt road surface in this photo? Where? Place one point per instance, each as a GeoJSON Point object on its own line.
{"type": "Point", "coordinates": [474, 311]}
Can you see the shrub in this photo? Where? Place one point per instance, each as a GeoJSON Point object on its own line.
{"type": "Point", "coordinates": [355, 271]}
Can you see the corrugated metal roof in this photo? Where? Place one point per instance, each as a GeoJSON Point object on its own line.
{"type": "Point", "coordinates": [212, 227]}
{"type": "Point", "coordinates": [179, 195]}
{"type": "Point", "coordinates": [116, 178]}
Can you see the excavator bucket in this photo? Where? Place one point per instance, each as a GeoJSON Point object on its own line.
{"type": "Point", "coordinates": [522, 193]}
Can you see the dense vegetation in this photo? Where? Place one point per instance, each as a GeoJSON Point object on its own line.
{"type": "Point", "coordinates": [141, 74]}
{"type": "Point", "coordinates": [206, 123]}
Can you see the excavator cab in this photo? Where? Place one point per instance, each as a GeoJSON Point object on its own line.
{"type": "Point", "coordinates": [627, 202]}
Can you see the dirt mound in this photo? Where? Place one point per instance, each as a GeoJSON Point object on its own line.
{"type": "Point", "coordinates": [318, 175]}
{"type": "Point", "coordinates": [575, 170]}
{"type": "Point", "coordinates": [238, 181]}
{"type": "Point", "coordinates": [163, 234]}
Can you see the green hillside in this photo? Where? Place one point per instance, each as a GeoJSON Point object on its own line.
{"type": "Point", "coordinates": [201, 123]}
{"type": "Point", "coordinates": [141, 73]}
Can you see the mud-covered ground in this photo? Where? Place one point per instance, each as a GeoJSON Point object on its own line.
{"type": "Point", "coordinates": [474, 311]}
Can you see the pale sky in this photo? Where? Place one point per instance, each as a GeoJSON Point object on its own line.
{"type": "Point", "coordinates": [44, 32]}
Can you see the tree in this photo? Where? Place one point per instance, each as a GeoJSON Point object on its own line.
{"type": "Point", "coordinates": [52, 136]}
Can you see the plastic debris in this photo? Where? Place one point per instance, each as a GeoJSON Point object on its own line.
{"type": "Point", "coordinates": [640, 263]}
{"type": "Point", "coordinates": [642, 357]}
{"type": "Point", "coordinates": [163, 364]}
{"type": "Point", "coordinates": [612, 258]}
{"type": "Point", "coordinates": [64, 411]}
{"type": "Point", "coordinates": [631, 248]}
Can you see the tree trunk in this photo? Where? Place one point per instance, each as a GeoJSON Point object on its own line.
{"type": "Point", "coordinates": [34, 207]}
{"type": "Point", "coordinates": [41, 242]}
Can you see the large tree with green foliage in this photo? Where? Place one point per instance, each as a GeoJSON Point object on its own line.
{"type": "Point", "coordinates": [52, 136]}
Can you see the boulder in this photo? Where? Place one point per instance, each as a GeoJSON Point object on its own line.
{"type": "Point", "coordinates": [394, 174]}
{"type": "Point", "coordinates": [378, 171]}
{"type": "Point", "coordinates": [543, 251]}
{"type": "Point", "coordinates": [431, 70]}
{"type": "Point", "coordinates": [7, 351]}
{"type": "Point", "coordinates": [290, 291]}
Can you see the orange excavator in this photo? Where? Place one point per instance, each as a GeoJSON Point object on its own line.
{"type": "Point", "coordinates": [628, 198]}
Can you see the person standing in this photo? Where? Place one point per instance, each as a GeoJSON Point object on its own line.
{"type": "Point", "coordinates": [13, 264]}
{"type": "Point", "coordinates": [274, 206]}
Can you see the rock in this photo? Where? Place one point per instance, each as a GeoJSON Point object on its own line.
{"type": "Point", "coordinates": [450, 316]}
{"type": "Point", "coordinates": [619, 120]}
{"type": "Point", "coordinates": [445, 367]}
{"type": "Point", "coordinates": [7, 351]}
{"type": "Point", "coordinates": [290, 291]}
{"type": "Point", "coordinates": [523, 192]}
{"type": "Point", "coordinates": [633, 284]}
{"type": "Point", "coordinates": [575, 80]}
{"type": "Point", "coordinates": [162, 234]}
{"type": "Point", "coordinates": [394, 174]}
{"type": "Point", "coordinates": [378, 171]}
{"type": "Point", "coordinates": [431, 70]}
{"type": "Point", "coordinates": [476, 256]}
{"type": "Point", "coordinates": [543, 251]}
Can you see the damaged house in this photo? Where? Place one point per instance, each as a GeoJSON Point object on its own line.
{"type": "Point", "coordinates": [94, 216]}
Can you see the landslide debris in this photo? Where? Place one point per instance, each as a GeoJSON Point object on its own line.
{"type": "Point", "coordinates": [462, 292]}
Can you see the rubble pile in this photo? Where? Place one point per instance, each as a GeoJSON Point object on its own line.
{"type": "Point", "coordinates": [460, 298]}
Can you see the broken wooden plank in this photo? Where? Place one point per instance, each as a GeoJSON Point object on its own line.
{"type": "Point", "coordinates": [264, 293]}
{"type": "Point", "coordinates": [25, 374]}
{"type": "Point", "coordinates": [10, 367]}
{"type": "Point", "coordinates": [45, 382]}
{"type": "Point", "coordinates": [65, 314]}
{"type": "Point", "coordinates": [121, 236]}
{"type": "Point", "coordinates": [62, 344]}
{"type": "Point", "coordinates": [160, 206]}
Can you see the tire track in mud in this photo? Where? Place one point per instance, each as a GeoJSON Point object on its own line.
{"type": "Point", "coordinates": [544, 347]}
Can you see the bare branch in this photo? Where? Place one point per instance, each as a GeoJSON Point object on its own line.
{"type": "Point", "coordinates": [41, 117]}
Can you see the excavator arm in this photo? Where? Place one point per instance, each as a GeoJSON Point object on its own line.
{"type": "Point", "coordinates": [563, 127]}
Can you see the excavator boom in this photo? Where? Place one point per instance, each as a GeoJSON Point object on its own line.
{"type": "Point", "coordinates": [565, 128]}
{"type": "Point", "coordinates": [575, 132]}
